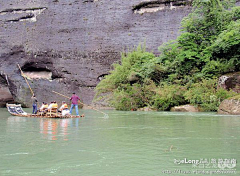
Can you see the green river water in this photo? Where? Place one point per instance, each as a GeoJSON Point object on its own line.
{"type": "Point", "coordinates": [125, 144]}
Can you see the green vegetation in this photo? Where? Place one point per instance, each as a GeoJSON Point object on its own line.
{"type": "Point", "coordinates": [187, 68]}
{"type": "Point", "coordinates": [237, 97]}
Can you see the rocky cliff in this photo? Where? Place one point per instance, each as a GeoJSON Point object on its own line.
{"type": "Point", "coordinates": [69, 45]}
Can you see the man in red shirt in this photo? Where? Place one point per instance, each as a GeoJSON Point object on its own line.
{"type": "Point", "coordinates": [74, 99]}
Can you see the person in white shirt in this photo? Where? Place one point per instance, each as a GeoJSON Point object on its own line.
{"type": "Point", "coordinates": [64, 109]}
{"type": "Point", "coordinates": [50, 106]}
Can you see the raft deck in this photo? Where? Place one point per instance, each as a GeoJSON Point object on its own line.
{"type": "Point", "coordinates": [16, 110]}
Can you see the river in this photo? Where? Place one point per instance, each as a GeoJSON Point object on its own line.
{"type": "Point", "coordinates": [124, 144]}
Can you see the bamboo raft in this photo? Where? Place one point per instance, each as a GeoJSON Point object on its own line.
{"type": "Point", "coordinates": [16, 110]}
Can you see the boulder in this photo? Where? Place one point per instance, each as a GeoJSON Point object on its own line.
{"type": "Point", "coordinates": [5, 96]}
{"type": "Point", "coordinates": [185, 108]}
{"type": "Point", "coordinates": [145, 109]}
{"type": "Point", "coordinates": [230, 81]}
{"type": "Point", "coordinates": [230, 106]}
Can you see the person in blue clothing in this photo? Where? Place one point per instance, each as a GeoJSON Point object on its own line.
{"type": "Point", "coordinates": [34, 104]}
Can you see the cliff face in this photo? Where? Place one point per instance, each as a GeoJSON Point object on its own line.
{"type": "Point", "coordinates": [69, 45]}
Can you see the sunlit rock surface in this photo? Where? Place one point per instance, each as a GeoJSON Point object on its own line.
{"type": "Point", "coordinates": [230, 106]}
{"type": "Point", "coordinates": [185, 108]}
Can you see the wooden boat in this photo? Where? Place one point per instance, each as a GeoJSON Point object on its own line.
{"type": "Point", "coordinates": [16, 110]}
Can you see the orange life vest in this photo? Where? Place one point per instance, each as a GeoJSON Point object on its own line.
{"type": "Point", "coordinates": [65, 106]}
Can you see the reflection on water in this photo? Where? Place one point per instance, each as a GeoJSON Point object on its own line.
{"type": "Point", "coordinates": [51, 129]}
{"type": "Point", "coordinates": [127, 143]}
{"type": "Point", "coordinates": [15, 119]}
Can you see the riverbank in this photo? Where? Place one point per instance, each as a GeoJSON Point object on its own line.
{"type": "Point", "coordinates": [193, 69]}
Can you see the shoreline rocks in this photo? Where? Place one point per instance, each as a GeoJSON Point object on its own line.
{"type": "Point", "coordinates": [230, 106]}
{"type": "Point", "coordinates": [230, 81]}
{"type": "Point", "coordinates": [185, 108]}
{"type": "Point", "coordinates": [145, 109]}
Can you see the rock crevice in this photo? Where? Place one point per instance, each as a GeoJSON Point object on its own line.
{"type": "Point", "coordinates": [158, 5]}
{"type": "Point", "coordinates": [18, 15]}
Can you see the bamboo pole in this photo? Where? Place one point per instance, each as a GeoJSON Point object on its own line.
{"type": "Point", "coordinates": [24, 76]}
{"type": "Point", "coordinates": [105, 115]}
{"type": "Point", "coordinates": [25, 79]}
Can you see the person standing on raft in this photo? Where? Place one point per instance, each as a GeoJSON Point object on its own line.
{"type": "Point", "coordinates": [74, 102]}
{"type": "Point", "coordinates": [34, 104]}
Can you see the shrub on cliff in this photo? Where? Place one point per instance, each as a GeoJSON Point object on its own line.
{"type": "Point", "coordinates": [206, 95]}
{"type": "Point", "coordinates": [185, 71]}
{"type": "Point", "coordinates": [125, 86]}
{"type": "Point", "coordinates": [168, 96]}
{"type": "Point", "coordinates": [208, 45]}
